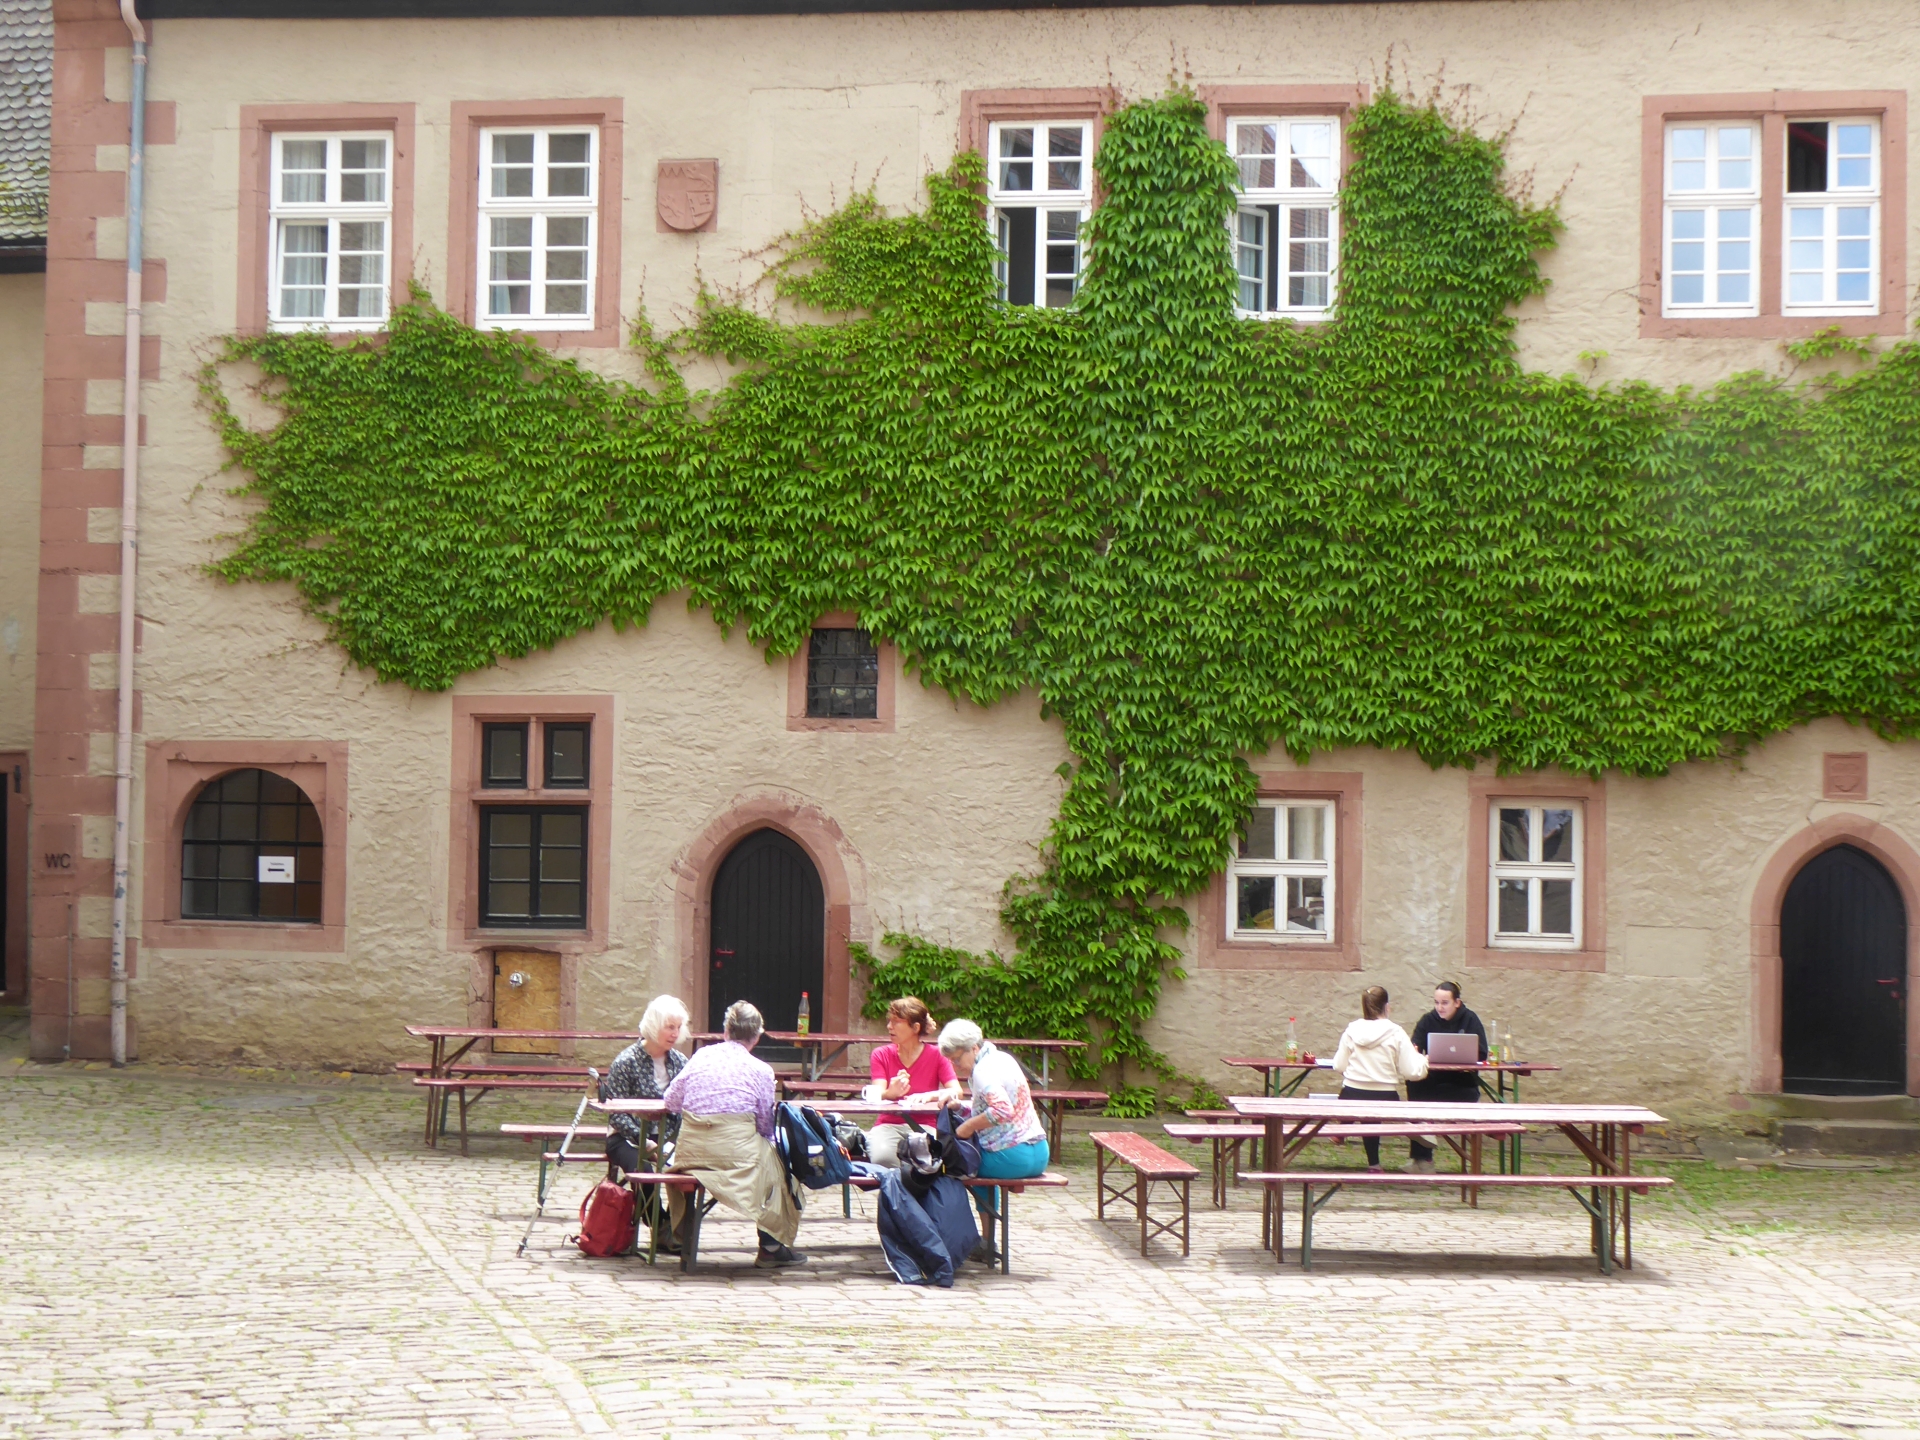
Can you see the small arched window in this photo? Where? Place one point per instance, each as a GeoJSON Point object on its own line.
{"type": "Point", "coordinates": [252, 851]}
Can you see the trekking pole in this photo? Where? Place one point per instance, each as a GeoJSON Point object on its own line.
{"type": "Point", "coordinates": [593, 1090]}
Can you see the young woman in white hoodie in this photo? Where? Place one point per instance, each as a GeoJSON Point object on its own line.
{"type": "Point", "coordinates": [1375, 1055]}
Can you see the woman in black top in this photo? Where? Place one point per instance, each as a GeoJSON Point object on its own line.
{"type": "Point", "coordinates": [1461, 1087]}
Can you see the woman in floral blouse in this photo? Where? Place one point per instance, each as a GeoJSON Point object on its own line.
{"type": "Point", "coordinates": [643, 1071]}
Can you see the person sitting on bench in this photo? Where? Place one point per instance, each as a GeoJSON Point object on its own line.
{"type": "Point", "coordinates": [643, 1071]}
{"type": "Point", "coordinates": [1375, 1055]}
{"type": "Point", "coordinates": [1002, 1122]}
{"type": "Point", "coordinates": [909, 1066]}
{"type": "Point", "coordinates": [1459, 1087]}
{"type": "Point", "coordinates": [725, 1100]}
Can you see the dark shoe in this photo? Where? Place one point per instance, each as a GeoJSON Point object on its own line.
{"type": "Point", "coordinates": [682, 1234]}
{"type": "Point", "coordinates": [984, 1253]}
{"type": "Point", "coordinates": [779, 1256]}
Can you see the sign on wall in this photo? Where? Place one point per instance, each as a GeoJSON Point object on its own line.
{"type": "Point", "coordinates": [686, 193]}
{"type": "Point", "coordinates": [276, 869]}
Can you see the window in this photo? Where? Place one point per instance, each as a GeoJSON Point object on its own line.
{"type": "Point", "coordinates": [566, 757]}
{"type": "Point", "coordinates": [1039, 190]}
{"type": "Point", "coordinates": [843, 675]}
{"type": "Point", "coordinates": [1286, 231]}
{"type": "Point", "coordinates": [1713, 219]}
{"type": "Point", "coordinates": [538, 220]}
{"type": "Point", "coordinates": [331, 209]}
{"type": "Point", "coordinates": [1833, 215]}
{"type": "Point", "coordinates": [504, 757]}
{"type": "Point", "coordinates": [533, 866]}
{"type": "Point", "coordinates": [1280, 883]}
{"type": "Point", "coordinates": [251, 850]}
{"type": "Point", "coordinates": [1535, 891]}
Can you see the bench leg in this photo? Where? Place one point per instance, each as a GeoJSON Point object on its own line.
{"type": "Point", "coordinates": [433, 1104]}
{"type": "Point", "coordinates": [1006, 1242]}
{"type": "Point", "coordinates": [1306, 1227]}
{"type": "Point", "coordinates": [1100, 1181]}
{"type": "Point", "coordinates": [1140, 1187]}
{"type": "Point", "coordinates": [1186, 1218]}
{"type": "Point", "coordinates": [463, 1118]}
{"type": "Point", "coordinates": [1274, 1205]}
{"type": "Point", "coordinates": [1221, 1150]}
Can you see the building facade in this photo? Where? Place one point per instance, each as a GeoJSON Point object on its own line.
{"type": "Point", "coordinates": [319, 859]}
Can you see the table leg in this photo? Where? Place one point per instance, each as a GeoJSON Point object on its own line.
{"type": "Point", "coordinates": [1276, 1201]}
{"type": "Point", "coordinates": [1626, 1196]}
{"type": "Point", "coordinates": [1045, 1077]}
{"type": "Point", "coordinates": [1306, 1227]}
{"type": "Point", "coordinates": [1006, 1231]}
{"type": "Point", "coordinates": [1140, 1187]}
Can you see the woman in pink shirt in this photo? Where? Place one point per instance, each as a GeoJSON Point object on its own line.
{"type": "Point", "coordinates": [911, 1065]}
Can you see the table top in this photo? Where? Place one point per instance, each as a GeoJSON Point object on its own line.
{"type": "Point", "coordinates": [1261, 1062]}
{"type": "Point", "coordinates": [1327, 1107]}
{"type": "Point", "coordinates": [652, 1109]}
{"type": "Point", "coordinates": [782, 1037]}
{"type": "Point", "coordinates": [460, 1032]}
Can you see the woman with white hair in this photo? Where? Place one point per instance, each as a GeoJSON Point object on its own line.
{"type": "Point", "coordinates": [643, 1071]}
{"type": "Point", "coordinates": [1012, 1141]}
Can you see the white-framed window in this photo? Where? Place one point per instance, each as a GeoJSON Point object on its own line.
{"type": "Point", "coordinates": [1286, 232]}
{"type": "Point", "coordinates": [1281, 878]}
{"type": "Point", "coordinates": [1832, 238]}
{"type": "Point", "coordinates": [539, 211]}
{"type": "Point", "coordinates": [1039, 194]}
{"type": "Point", "coordinates": [1534, 878]}
{"type": "Point", "coordinates": [331, 212]}
{"type": "Point", "coordinates": [1712, 219]}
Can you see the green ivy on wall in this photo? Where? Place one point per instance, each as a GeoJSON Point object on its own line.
{"type": "Point", "coordinates": [1194, 536]}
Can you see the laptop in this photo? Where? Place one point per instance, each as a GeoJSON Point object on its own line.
{"type": "Point", "coordinates": [1450, 1049]}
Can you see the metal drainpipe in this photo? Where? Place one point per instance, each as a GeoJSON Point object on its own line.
{"type": "Point", "coordinates": [129, 534]}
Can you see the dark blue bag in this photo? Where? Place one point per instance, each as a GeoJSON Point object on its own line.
{"type": "Point", "coordinates": [813, 1153]}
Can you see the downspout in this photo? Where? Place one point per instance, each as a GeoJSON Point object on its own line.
{"type": "Point", "coordinates": [129, 535]}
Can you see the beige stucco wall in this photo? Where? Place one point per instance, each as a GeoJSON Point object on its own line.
{"type": "Point", "coordinates": [22, 306]}
{"type": "Point", "coordinates": [941, 811]}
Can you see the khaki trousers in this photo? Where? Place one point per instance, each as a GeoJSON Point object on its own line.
{"type": "Point", "coordinates": [740, 1169]}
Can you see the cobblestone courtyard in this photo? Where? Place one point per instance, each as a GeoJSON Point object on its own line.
{"type": "Point", "coordinates": [209, 1255]}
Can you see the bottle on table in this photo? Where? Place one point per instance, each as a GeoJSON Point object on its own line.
{"type": "Point", "coordinates": [1493, 1042]}
{"type": "Point", "coordinates": [1293, 1043]}
{"type": "Point", "coordinates": [805, 1022]}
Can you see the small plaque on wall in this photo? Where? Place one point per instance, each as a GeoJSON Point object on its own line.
{"type": "Point", "coordinates": [686, 194]}
{"type": "Point", "coordinates": [1844, 776]}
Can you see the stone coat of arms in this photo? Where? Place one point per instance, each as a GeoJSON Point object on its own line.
{"type": "Point", "coordinates": [686, 192]}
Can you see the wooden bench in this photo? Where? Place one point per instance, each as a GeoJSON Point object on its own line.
{"type": "Point", "coordinates": [555, 1157]}
{"type": "Point", "coordinates": [1151, 1166]}
{"type": "Point", "coordinates": [1330, 1183]}
{"type": "Point", "coordinates": [688, 1184]}
{"type": "Point", "coordinates": [1227, 1139]}
{"type": "Point", "coordinates": [480, 1085]}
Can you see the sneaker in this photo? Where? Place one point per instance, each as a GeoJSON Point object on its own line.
{"type": "Point", "coordinates": [1375, 1169]}
{"type": "Point", "coordinates": [1420, 1167]}
{"type": "Point", "coordinates": [780, 1255]}
{"type": "Point", "coordinates": [984, 1253]}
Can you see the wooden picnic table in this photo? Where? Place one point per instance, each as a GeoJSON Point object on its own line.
{"type": "Point", "coordinates": [1499, 1082]}
{"type": "Point", "coordinates": [1603, 1134]}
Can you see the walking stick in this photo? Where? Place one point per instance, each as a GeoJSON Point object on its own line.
{"type": "Point", "coordinates": [593, 1090]}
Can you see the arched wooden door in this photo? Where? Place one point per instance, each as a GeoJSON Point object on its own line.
{"type": "Point", "coordinates": [769, 931]}
{"type": "Point", "coordinates": [1843, 960]}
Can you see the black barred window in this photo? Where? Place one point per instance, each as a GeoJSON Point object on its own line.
{"type": "Point", "coordinates": [252, 851]}
{"type": "Point", "coordinates": [533, 866]}
{"type": "Point", "coordinates": [843, 676]}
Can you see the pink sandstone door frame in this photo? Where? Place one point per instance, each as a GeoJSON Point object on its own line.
{"type": "Point", "coordinates": [1902, 862]}
{"type": "Point", "coordinates": [842, 880]}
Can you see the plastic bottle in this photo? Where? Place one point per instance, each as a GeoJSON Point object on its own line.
{"type": "Point", "coordinates": [1493, 1042]}
{"type": "Point", "coordinates": [1293, 1042]}
{"type": "Point", "coordinates": [805, 1022]}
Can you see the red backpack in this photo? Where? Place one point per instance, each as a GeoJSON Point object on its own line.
{"type": "Point", "coordinates": [606, 1220]}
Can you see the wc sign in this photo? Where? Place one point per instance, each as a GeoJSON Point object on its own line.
{"type": "Point", "coordinates": [276, 869]}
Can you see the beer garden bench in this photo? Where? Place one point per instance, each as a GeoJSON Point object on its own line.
{"type": "Point", "coordinates": [1151, 1166]}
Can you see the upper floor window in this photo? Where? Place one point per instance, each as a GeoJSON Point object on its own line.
{"type": "Point", "coordinates": [843, 675]}
{"type": "Point", "coordinates": [1286, 229]}
{"type": "Point", "coordinates": [1280, 882]}
{"type": "Point", "coordinates": [1713, 219]}
{"type": "Point", "coordinates": [1039, 192]}
{"type": "Point", "coordinates": [251, 850]}
{"type": "Point", "coordinates": [539, 206]}
{"type": "Point", "coordinates": [331, 211]}
{"type": "Point", "coordinates": [1833, 216]}
{"type": "Point", "coordinates": [1535, 877]}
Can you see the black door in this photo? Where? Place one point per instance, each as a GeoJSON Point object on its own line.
{"type": "Point", "coordinates": [769, 931]}
{"type": "Point", "coordinates": [1843, 959]}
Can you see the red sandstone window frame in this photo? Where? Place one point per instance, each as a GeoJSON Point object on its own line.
{"type": "Point", "coordinates": [469, 119]}
{"type": "Point", "coordinates": [176, 772]}
{"type": "Point", "coordinates": [469, 794]}
{"type": "Point", "coordinates": [258, 125]}
{"type": "Point", "coordinates": [1212, 949]}
{"type": "Point", "coordinates": [880, 723]}
{"type": "Point", "coordinates": [1771, 110]}
{"type": "Point", "coordinates": [1484, 793]}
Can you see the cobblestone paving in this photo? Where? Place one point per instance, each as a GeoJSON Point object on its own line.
{"type": "Point", "coordinates": [206, 1255]}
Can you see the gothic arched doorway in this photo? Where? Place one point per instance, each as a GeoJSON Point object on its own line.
{"type": "Point", "coordinates": [1843, 960]}
{"type": "Point", "coordinates": [767, 940]}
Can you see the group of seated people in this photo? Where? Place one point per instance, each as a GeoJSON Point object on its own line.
{"type": "Point", "coordinates": [721, 1101]}
{"type": "Point", "coordinates": [1375, 1055]}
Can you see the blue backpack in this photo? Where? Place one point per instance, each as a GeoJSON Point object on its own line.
{"type": "Point", "coordinates": [813, 1153]}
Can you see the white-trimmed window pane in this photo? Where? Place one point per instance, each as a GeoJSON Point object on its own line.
{"type": "Point", "coordinates": [1807, 256]}
{"type": "Point", "coordinates": [1062, 257]}
{"type": "Point", "coordinates": [1309, 257]}
{"type": "Point", "coordinates": [1310, 146]}
{"type": "Point", "coordinates": [1016, 158]}
{"type": "Point", "coordinates": [1256, 897]}
{"type": "Point", "coordinates": [363, 172]}
{"type": "Point", "coordinates": [1281, 880]}
{"type": "Point", "coordinates": [1853, 157]}
{"type": "Point", "coordinates": [513, 167]}
{"type": "Point", "coordinates": [1556, 907]}
{"type": "Point", "coordinates": [1513, 907]}
{"type": "Point", "coordinates": [1534, 874]}
{"type": "Point", "coordinates": [1735, 160]}
{"type": "Point", "coordinates": [303, 271]}
{"type": "Point", "coordinates": [569, 161]}
{"type": "Point", "coordinates": [303, 172]}
{"type": "Point", "coordinates": [1687, 158]}
{"type": "Point", "coordinates": [1257, 149]}
{"type": "Point", "coordinates": [510, 271]}
{"type": "Point", "coordinates": [1257, 839]}
{"type": "Point", "coordinates": [1064, 162]}
{"type": "Point", "coordinates": [1250, 258]}
{"type": "Point", "coordinates": [1306, 832]}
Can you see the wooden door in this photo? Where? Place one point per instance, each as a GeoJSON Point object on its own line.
{"type": "Point", "coordinates": [526, 996]}
{"type": "Point", "coordinates": [13, 875]}
{"type": "Point", "coordinates": [1843, 961]}
{"type": "Point", "coordinates": [769, 931]}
